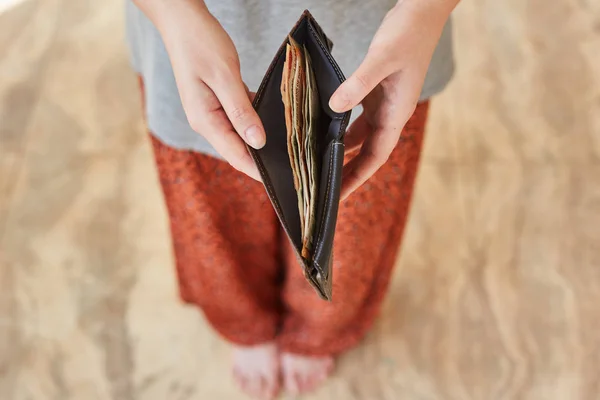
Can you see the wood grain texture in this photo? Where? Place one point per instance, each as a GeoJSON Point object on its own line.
{"type": "Point", "coordinates": [497, 291]}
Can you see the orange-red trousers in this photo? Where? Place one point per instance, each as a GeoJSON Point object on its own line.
{"type": "Point", "coordinates": [234, 262]}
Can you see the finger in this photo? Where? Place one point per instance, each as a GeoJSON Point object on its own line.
{"type": "Point", "coordinates": [378, 145]}
{"type": "Point", "coordinates": [357, 133]}
{"type": "Point", "coordinates": [373, 154]}
{"type": "Point", "coordinates": [229, 145]}
{"type": "Point", "coordinates": [206, 117]}
{"type": "Point", "coordinates": [369, 74]}
{"type": "Point", "coordinates": [237, 106]}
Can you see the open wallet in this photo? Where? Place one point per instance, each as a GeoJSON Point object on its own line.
{"type": "Point", "coordinates": [301, 163]}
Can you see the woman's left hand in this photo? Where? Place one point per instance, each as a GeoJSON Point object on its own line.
{"type": "Point", "coordinates": [388, 83]}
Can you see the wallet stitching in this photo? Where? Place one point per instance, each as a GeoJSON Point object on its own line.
{"type": "Point", "coordinates": [337, 117]}
{"type": "Point", "coordinates": [321, 228]}
{"type": "Point", "coordinates": [326, 52]}
{"type": "Point", "coordinates": [339, 73]}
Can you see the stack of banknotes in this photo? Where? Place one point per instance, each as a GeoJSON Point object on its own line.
{"type": "Point", "coordinates": [300, 99]}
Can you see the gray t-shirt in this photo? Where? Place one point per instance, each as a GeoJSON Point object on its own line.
{"type": "Point", "coordinates": [257, 28]}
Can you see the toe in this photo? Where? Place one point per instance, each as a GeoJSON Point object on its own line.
{"type": "Point", "coordinates": [330, 365]}
{"type": "Point", "coordinates": [274, 391]}
{"type": "Point", "coordinates": [291, 384]}
{"type": "Point", "coordinates": [310, 382]}
{"type": "Point", "coordinates": [266, 388]}
{"type": "Point", "coordinates": [327, 369]}
{"type": "Point", "coordinates": [271, 388]}
{"type": "Point", "coordinates": [255, 387]}
{"type": "Point", "coordinates": [238, 378]}
{"type": "Point", "coordinates": [301, 383]}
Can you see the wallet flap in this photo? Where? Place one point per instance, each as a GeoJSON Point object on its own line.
{"type": "Point", "coordinates": [273, 161]}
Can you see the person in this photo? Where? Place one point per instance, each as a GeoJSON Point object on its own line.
{"type": "Point", "coordinates": [195, 59]}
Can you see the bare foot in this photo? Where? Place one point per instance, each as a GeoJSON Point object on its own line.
{"type": "Point", "coordinates": [256, 370]}
{"type": "Point", "coordinates": [303, 374]}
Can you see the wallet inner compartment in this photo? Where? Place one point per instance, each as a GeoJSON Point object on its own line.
{"type": "Point", "coordinates": [329, 131]}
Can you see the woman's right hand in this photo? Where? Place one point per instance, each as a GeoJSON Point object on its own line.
{"type": "Point", "coordinates": [207, 71]}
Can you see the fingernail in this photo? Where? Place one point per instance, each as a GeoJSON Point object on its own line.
{"type": "Point", "coordinates": [255, 137]}
{"type": "Point", "coordinates": [337, 103]}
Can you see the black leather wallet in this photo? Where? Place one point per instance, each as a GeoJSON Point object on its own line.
{"type": "Point", "coordinates": [274, 163]}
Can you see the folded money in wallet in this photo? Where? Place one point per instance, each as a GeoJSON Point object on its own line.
{"type": "Point", "coordinates": [301, 164]}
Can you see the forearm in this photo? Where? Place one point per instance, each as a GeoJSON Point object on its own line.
{"type": "Point", "coordinates": [442, 7]}
{"type": "Point", "coordinates": [412, 22]}
{"type": "Point", "coordinates": [429, 14]}
{"type": "Point", "coordinates": [161, 11]}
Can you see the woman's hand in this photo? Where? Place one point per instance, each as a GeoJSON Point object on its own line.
{"type": "Point", "coordinates": [207, 72]}
{"type": "Point", "coordinates": [388, 84]}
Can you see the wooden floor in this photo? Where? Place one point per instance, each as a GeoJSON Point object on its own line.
{"type": "Point", "coordinates": [497, 292]}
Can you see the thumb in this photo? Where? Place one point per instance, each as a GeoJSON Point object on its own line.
{"type": "Point", "coordinates": [369, 74]}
